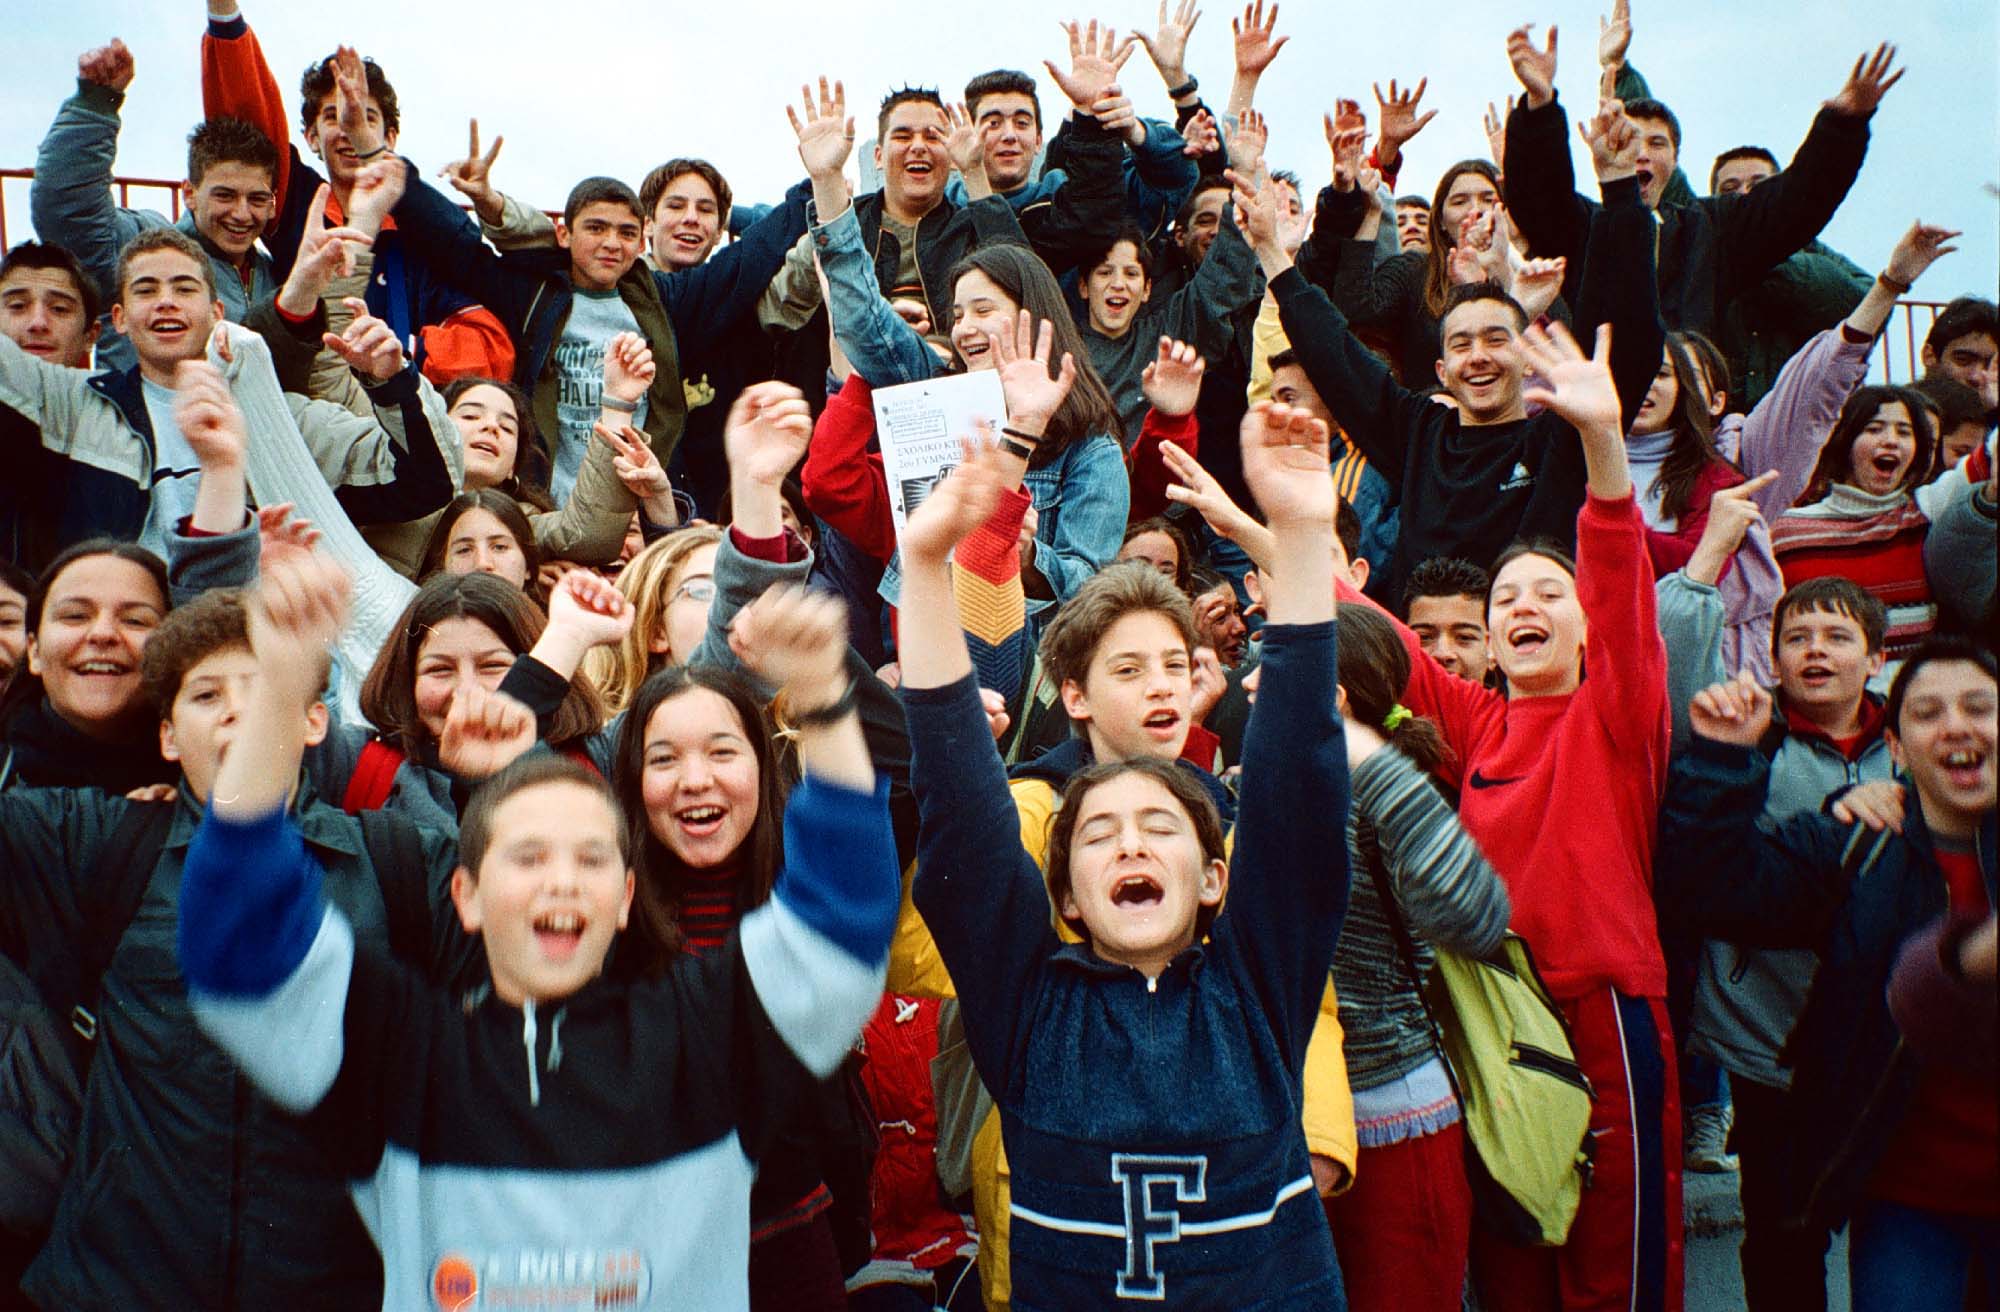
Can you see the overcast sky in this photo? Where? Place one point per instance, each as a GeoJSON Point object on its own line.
{"type": "Point", "coordinates": [616, 89]}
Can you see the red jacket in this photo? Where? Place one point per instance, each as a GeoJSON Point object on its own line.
{"type": "Point", "coordinates": [1148, 470]}
{"type": "Point", "coordinates": [843, 480]}
{"type": "Point", "coordinates": [910, 1224]}
{"type": "Point", "coordinates": [1671, 551]}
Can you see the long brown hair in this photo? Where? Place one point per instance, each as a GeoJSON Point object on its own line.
{"type": "Point", "coordinates": [1693, 449]}
{"type": "Point", "coordinates": [655, 937]}
{"type": "Point", "coordinates": [1437, 261]}
{"type": "Point", "coordinates": [529, 481]}
{"type": "Point", "coordinates": [1835, 458]}
{"type": "Point", "coordinates": [1088, 409]}
{"type": "Point", "coordinates": [494, 502]}
{"type": "Point", "coordinates": [389, 693]}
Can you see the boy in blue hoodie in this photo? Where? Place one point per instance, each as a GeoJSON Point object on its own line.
{"type": "Point", "coordinates": [1149, 1079]}
{"type": "Point", "coordinates": [552, 1138]}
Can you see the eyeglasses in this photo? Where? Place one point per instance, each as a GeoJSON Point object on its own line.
{"type": "Point", "coordinates": [694, 590]}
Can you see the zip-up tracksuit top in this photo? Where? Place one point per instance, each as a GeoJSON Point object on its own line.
{"type": "Point", "coordinates": [1152, 1127]}
{"type": "Point", "coordinates": [591, 1152]}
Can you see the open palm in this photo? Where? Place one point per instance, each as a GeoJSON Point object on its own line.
{"type": "Point", "coordinates": [1576, 386]}
{"type": "Point", "coordinates": [1287, 464]}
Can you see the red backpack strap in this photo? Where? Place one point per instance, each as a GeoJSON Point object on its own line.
{"type": "Point", "coordinates": [582, 758]}
{"type": "Point", "coordinates": [374, 774]}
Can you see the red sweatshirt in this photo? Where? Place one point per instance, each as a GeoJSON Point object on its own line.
{"type": "Point", "coordinates": [843, 480]}
{"type": "Point", "coordinates": [1563, 793]}
{"type": "Point", "coordinates": [1148, 470]}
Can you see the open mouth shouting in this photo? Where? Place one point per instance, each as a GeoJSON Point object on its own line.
{"type": "Point", "coordinates": [1965, 768]}
{"type": "Point", "coordinates": [1528, 639]}
{"type": "Point", "coordinates": [1817, 676]}
{"type": "Point", "coordinates": [557, 933]}
{"type": "Point", "coordinates": [1137, 891]}
{"type": "Point", "coordinates": [1163, 725]}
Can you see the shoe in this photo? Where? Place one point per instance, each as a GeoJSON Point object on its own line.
{"type": "Point", "coordinates": [1708, 1138]}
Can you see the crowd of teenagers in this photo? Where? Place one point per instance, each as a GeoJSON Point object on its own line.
{"type": "Point", "coordinates": [500, 808]}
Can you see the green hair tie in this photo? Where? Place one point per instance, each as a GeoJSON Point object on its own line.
{"type": "Point", "coordinates": [1394, 720]}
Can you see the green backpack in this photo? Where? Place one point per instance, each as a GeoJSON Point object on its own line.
{"type": "Point", "coordinates": [1525, 1100]}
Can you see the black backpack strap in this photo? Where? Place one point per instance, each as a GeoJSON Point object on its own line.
{"type": "Point", "coordinates": [125, 866]}
{"type": "Point", "coordinates": [396, 851]}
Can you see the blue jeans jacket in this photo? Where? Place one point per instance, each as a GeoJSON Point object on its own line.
{"type": "Point", "coordinates": [1081, 499]}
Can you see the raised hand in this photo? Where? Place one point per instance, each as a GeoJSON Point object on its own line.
{"type": "Point", "coordinates": [1536, 68]}
{"type": "Point", "coordinates": [1613, 140]}
{"type": "Point", "coordinates": [1731, 514]}
{"type": "Point", "coordinates": [472, 177]}
{"type": "Point", "coordinates": [960, 502]}
{"type": "Point", "coordinates": [1246, 144]}
{"type": "Point", "coordinates": [1288, 466]}
{"type": "Point", "coordinates": [1166, 44]}
{"type": "Point", "coordinates": [323, 257]}
{"type": "Point", "coordinates": [1614, 35]}
{"type": "Point", "coordinates": [278, 528]}
{"type": "Point", "coordinates": [1735, 711]}
{"type": "Point", "coordinates": [1172, 382]}
{"type": "Point", "coordinates": [590, 609]}
{"type": "Point", "coordinates": [1867, 84]}
{"type": "Point", "coordinates": [377, 188]}
{"type": "Point", "coordinates": [1400, 120]}
{"type": "Point", "coordinates": [965, 143]}
{"type": "Point", "coordinates": [209, 418]}
{"type": "Point", "coordinates": [766, 432]}
{"type": "Point", "coordinates": [350, 88]}
{"type": "Point", "coordinates": [1208, 684]}
{"type": "Point", "coordinates": [1256, 209]}
{"type": "Point", "coordinates": [795, 639]}
{"type": "Point", "coordinates": [640, 471]}
{"type": "Point", "coordinates": [826, 134]}
{"type": "Point", "coordinates": [1256, 44]}
{"type": "Point", "coordinates": [914, 313]}
{"type": "Point", "coordinates": [1195, 487]}
{"type": "Point", "coordinates": [1916, 250]}
{"type": "Point", "coordinates": [107, 66]}
{"type": "Point", "coordinates": [369, 345]}
{"type": "Point", "coordinates": [1346, 143]}
{"type": "Point", "coordinates": [295, 612]}
{"type": "Point", "coordinates": [1200, 136]}
{"type": "Point", "coordinates": [1537, 283]}
{"type": "Point", "coordinates": [1033, 395]}
{"type": "Point", "coordinates": [1094, 62]}
{"type": "Point", "coordinates": [1114, 113]}
{"type": "Point", "coordinates": [628, 367]}
{"type": "Point", "coordinates": [1576, 386]}
{"type": "Point", "coordinates": [484, 732]}
{"type": "Point", "coordinates": [1495, 124]}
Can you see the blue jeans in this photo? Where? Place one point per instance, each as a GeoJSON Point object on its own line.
{"type": "Point", "coordinates": [1906, 1258]}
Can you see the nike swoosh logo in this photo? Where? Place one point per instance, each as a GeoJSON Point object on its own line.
{"type": "Point", "coordinates": [1479, 780]}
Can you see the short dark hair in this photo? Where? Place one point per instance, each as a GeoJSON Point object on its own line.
{"type": "Point", "coordinates": [475, 826]}
{"type": "Point", "coordinates": [1206, 183]}
{"type": "Point", "coordinates": [215, 621]}
{"type": "Point", "coordinates": [1290, 179]}
{"type": "Point", "coordinates": [1284, 359]}
{"type": "Point", "coordinates": [1347, 527]}
{"type": "Point", "coordinates": [656, 183]}
{"type": "Point", "coordinates": [1546, 548]}
{"type": "Point", "coordinates": [904, 96]}
{"type": "Point", "coordinates": [32, 254]}
{"type": "Point", "coordinates": [1933, 651]}
{"type": "Point", "coordinates": [593, 191]}
{"type": "Point", "coordinates": [1655, 112]}
{"type": "Point", "coordinates": [1184, 571]}
{"type": "Point", "coordinates": [163, 239]}
{"type": "Point", "coordinates": [1180, 782]}
{"type": "Point", "coordinates": [1955, 403]}
{"type": "Point", "coordinates": [1733, 154]}
{"type": "Point", "coordinates": [1467, 293]}
{"type": "Point", "coordinates": [317, 84]}
{"type": "Point", "coordinates": [229, 141]}
{"type": "Point", "coordinates": [1421, 202]}
{"type": "Point", "coordinates": [1127, 232]}
{"type": "Point", "coordinates": [1963, 317]}
{"type": "Point", "coordinates": [1002, 81]}
{"type": "Point", "coordinates": [1121, 588]}
{"type": "Point", "coordinates": [1446, 576]}
{"type": "Point", "coordinates": [1835, 595]}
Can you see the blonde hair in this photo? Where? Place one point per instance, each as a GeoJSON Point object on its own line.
{"type": "Point", "coordinates": [646, 582]}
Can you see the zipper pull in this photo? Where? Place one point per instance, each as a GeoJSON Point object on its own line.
{"type": "Point", "coordinates": [528, 1042]}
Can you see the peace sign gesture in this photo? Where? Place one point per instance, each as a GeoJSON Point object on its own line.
{"type": "Point", "coordinates": [472, 177]}
{"type": "Point", "coordinates": [323, 257]}
{"type": "Point", "coordinates": [1032, 395]}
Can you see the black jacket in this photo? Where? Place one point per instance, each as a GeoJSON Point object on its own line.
{"type": "Point", "coordinates": [1710, 252]}
{"type": "Point", "coordinates": [1852, 896]}
{"type": "Point", "coordinates": [189, 1190]}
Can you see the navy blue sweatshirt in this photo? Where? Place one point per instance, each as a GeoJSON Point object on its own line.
{"type": "Point", "coordinates": [1152, 1127]}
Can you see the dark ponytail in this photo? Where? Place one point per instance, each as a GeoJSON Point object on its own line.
{"type": "Point", "coordinates": [1374, 669]}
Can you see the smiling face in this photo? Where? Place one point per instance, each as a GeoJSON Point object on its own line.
{"type": "Point", "coordinates": [1883, 451]}
{"type": "Point", "coordinates": [1972, 359]}
{"type": "Point", "coordinates": [1155, 548]}
{"type": "Point", "coordinates": [687, 222]}
{"type": "Point", "coordinates": [911, 154]}
{"type": "Point", "coordinates": [231, 204]}
{"type": "Point", "coordinates": [1203, 222]}
{"type": "Point", "coordinates": [1453, 630]}
{"type": "Point", "coordinates": [1011, 136]}
{"type": "Point", "coordinates": [1218, 621]}
{"type": "Point", "coordinates": [699, 779]}
{"type": "Point", "coordinates": [980, 307]}
{"type": "Point", "coordinates": [13, 628]}
{"type": "Point", "coordinates": [167, 309]}
{"type": "Point", "coordinates": [1135, 696]}
{"type": "Point", "coordinates": [456, 653]}
{"type": "Point", "coordinates": [1138, 877]}
{"type": "Point", "coordinates": [41, 310]}
{"type": "Point", "coordinates": [481, 544]}
{"type": "Point", "coordinates": [1944, 740]}
{"type": "Point", "coordinates": [603, 243]}
{"type": "Point", "coordinates": [1824, 664]}
{"type": "Point", "coordinates": [491, 433]}
{"type": "Point", "coordinates": [1656, 412]}
{"type": "Point", "coordinates": [95, 621]}
{"type": "Point", "coordinates": [1115, 291]}
{"type": "Point", "coordinates": [331, 144]}
{"type": "Point", "coordinates": [1536, 628]}
{"type": "Point", "coordinates": [551, 892]}
{"type": "Point", "coordinates": [1479, 366]}
{"type": "Point", "coordinates": [1413, 228]}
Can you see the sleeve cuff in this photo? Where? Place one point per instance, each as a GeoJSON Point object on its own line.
{"type": "Point", "coordinates": [228, 29]}
{"type": "Point", "coordinates": [784, 549]}
{"type": "Point", "coordinates": [990, 551]}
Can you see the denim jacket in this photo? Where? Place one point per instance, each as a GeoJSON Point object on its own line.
{"type": "Point", "coordinates": [1081, 498]}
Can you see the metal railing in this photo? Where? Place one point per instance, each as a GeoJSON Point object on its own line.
{"type": "Point", "coordinates": [1899, 359]}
